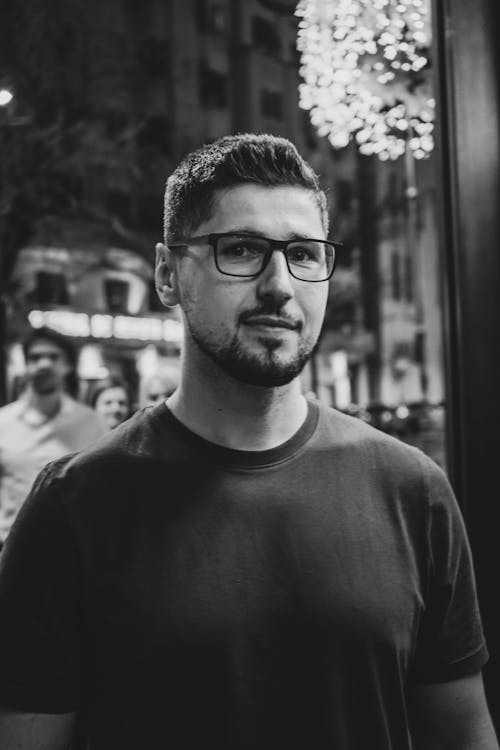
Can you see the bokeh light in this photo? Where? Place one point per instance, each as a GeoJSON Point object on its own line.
{"type": "Point", "coordinates": [364, 69]}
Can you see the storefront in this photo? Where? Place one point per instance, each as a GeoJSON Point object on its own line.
{"type": "Point", "coordinates": [100, 296]}
{"type": "Point", "coordinates": [133, 347]}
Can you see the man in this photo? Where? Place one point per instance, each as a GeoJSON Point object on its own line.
{"type": "Point", "coordinates": [43, 424]}
{"type": "Point", "coordinates": [240, 567]}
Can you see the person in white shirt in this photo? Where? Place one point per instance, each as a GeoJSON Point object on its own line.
{"type": "Point", "coordinates": [45, 423]}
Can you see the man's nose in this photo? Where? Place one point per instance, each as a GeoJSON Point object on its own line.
{"type": "Point", "coordinates": [275, 280]}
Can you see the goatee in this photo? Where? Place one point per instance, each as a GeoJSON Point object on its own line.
{"type": "Point", "coordinates": [266, 370]}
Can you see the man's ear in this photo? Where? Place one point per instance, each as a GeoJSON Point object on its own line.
{"type": "Point", "coordinates": [166, 276]}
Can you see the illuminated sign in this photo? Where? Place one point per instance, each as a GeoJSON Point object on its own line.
{"type": "Point", "coordinates": [100, 326]}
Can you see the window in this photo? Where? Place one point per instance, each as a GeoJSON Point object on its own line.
{"type": "Point", "coordinates": [396, 275]}
{"type": "Point", "coordinates": [419, 347]}
{"type": "Point", "coordinates": [265, 36]}
{"type": "Point", "coordinates": [344, 194]}
{"type": "Point", "coordinates": [116, 293]}
{"type": "Point", "coordinates": [149, 207]}
{"type": "Point", "coordinates": [295, 55]}
{"type": "Point", "coordinates": [211, 16]}
{"type": "Point", "coordinates": [408, 278]}
{"type": "Point", "coordinates": [212, 87]}
{"type": "Point", "coordinates": [271, 104]}
{"type": "Point", "coordinates": [343, 315]}
{"type": "Point", "coordinates": [308, 130]}
{"type": "Point", "coordinates": [154, 135]}
{"type": "Point", "coordinates": [116, 122]}
{"type": "Point", "coordinates": [152, 56]}
{"type": "Point", "coordinates": [50, 289]}
{"type": "Point", "coordinates": [118, 203]}
{"type": "Point", "coordinates": [201, 15]}
{"type": "Point", "coordinates": [394, 194]}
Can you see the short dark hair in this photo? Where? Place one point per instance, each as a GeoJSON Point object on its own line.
{"type": "Point", "coordinates": [58, 339]}
{"type": "Point", "coordinates": [112, 381]}
{"type": "Point", "coordinates": [232, 160]}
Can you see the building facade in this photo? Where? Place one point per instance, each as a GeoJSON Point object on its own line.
{"type": "Point", "coordinates": [164, 77]}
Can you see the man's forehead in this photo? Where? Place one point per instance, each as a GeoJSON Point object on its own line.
{"type": "Point", "coordinates": [255, 192]}
{"type": "Point", "coordinates": [247, 205]}
{"type": "Point", "coordinates": [44, 346]}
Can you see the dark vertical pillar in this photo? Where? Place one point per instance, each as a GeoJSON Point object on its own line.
{"type": "Point", "coordinates": [240, 99]}
{"type": "Point", "coordinates": [369, 264]}
{"type": "Point", "coordinates": [3, 351]}
{"type": "Point", "coordinates": [466, 52]}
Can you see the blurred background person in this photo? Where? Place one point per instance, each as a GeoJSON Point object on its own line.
{"type": "Point", "coordinates": [43, 424]}
{"type": "Point", "coordinates": [159, 387]}
{"type": "Point", "coordinates": [111, 400]}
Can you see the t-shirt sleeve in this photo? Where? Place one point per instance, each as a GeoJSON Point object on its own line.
{"type": "Point", "coordinates": [40, 620]}
{"type": "Point", "coordinates": [451, 642]}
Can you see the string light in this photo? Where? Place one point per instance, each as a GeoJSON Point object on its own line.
{"type": "Point", "coordinates": [364, 73]}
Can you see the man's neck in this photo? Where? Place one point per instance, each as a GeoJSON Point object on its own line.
{"type": "Point", "coordinates": [235, 414]}
{"type": "Point", "coordinates": [42, 406]}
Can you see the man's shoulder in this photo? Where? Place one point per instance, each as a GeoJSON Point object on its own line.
{"type": "Point", "coordinates": [351, 429]}
{"type": "Point", "coordinates": [373, 458]}
{"type": "Point", "coordinates": [130, 439]}
{"type": "Point", "coordinates": [358, 439]}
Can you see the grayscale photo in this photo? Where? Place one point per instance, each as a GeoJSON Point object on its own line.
{"type": "Point", "coordinates": [249, 363]}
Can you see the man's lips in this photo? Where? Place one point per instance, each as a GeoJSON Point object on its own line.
{"type": "Point", "coordinates": [271, 321]}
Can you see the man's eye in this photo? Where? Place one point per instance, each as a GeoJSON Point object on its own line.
{"type": "Point", "coordinates": [301, 255]}
{"type": "Point", "coordinates": [242, 250]}
{"type": "Point", "coordinates": [298, 253]}
{"type": "Point", "coordinates": [238, 250]}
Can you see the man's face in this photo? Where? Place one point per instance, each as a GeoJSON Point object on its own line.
{"type": "Point", "coordinates": [46, 367]}
{"type": "Point", "coordinates": [258, 330]}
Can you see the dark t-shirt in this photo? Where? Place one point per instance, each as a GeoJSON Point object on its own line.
{"type": "Point", "coordinates": [183, 595]}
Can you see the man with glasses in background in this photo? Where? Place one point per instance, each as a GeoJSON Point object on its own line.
{"type": "Point", "coordinates": [241, 567]}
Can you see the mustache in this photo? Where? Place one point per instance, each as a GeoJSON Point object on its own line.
{"type": "Point", "coordinates": [44, 373]}
{"type": "Point", "coordinates": [268, 310]}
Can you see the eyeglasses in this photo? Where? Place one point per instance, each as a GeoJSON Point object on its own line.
{"type": "Point", "coordinates": [246, 256]}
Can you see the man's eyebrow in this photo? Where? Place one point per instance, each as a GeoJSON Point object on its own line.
{"type": "Point", "coordinates": [253, 233]}
{"type": "Point", "coordinates": [243, 230]}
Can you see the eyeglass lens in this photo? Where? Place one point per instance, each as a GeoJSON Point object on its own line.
{"type": "Point", "coordinates": [309, 260]}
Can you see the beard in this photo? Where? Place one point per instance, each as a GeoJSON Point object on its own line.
{"type": "Point", "coordinates": [266, 369]}
{"type": "Point", "coordinates": [44, 383]}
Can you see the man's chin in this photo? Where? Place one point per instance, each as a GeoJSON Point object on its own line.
{"type": "Point", "coordinates": [266, 371]}
{"type": "Point", "coordinates": [267, 367]}
{"type": "Point", "coordinates": [45, 389]}
{"type": "Point", "coordinates": [265, 379]}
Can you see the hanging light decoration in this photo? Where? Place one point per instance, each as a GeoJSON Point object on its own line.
{"type": "Point", "coordinates": [364, 65]}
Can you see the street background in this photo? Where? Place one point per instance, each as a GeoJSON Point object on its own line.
{"type": "Point", "coordinates": [99, 101]}
{"type": "Point", "coordinates": [106, 98]}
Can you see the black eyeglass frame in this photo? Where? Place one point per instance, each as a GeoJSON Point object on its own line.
{"type": "Point", "coordinates": [281, 245]}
